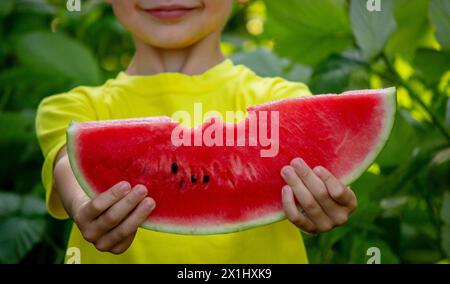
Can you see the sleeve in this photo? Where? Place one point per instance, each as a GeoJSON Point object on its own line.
{"type": "Point", "coordinates": [53, 116]}
{"type": "Point", "coordinates": [281, 89]}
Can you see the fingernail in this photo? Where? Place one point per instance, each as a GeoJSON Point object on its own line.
{"type": "Point", "coordinates": [297, 163]}
{"type": "Point", "coordinates": [149, 203]}
{"type": "Point", "coordinates": [317, 171]}
{"type": "Point", "coordinates": [287, 171]}
{"type": "Point", "coordinates": [122, 188]}
{"type": "Point", "coordinates": [285, 190]}
{"type": "Point", "coordinates": [140, 190]}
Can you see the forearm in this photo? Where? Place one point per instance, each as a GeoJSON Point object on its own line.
{"type": "Point", "coordinates": [70, 192]}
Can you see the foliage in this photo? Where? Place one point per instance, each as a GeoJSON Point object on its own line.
{"type": "Point", "coordinates": [332, 45]}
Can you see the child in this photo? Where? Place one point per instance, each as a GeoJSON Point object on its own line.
{"type": "Point", "coordinates": [178, 62]}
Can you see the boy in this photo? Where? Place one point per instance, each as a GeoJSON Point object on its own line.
{"type": "Point", "coordinates": [177, 63]}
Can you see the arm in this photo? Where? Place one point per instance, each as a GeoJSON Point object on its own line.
{"type": "Point", "coordinates": [110, 220]}
{"type": "Point", "coordinates": [324, 201]}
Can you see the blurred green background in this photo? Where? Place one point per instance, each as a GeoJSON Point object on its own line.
{"type": "Point", "coordinates": [332, 45]}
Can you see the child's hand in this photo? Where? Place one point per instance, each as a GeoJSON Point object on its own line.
{"type": "Point", "coordinates": [324, 201]}
{"type": "Point", "coordinates": [111, 219]}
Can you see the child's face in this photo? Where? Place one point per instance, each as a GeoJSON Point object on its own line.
{"type": "Point", "coordinates": [172, 24]}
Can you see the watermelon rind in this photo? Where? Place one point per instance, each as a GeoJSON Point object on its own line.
{"type": "Point", "coordinates": [72, 153]}
{"type": "Point", "coordinates": [388, 123]}
{"type": "Point", "coordinates": [219, 229]}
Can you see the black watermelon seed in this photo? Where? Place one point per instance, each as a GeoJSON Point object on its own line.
{"type": "Point", "coordinates": [193, 179]}
{"type": "Point", "coordinates": [206, 179]}
{"type": "Point", "coordinates": [174, 168]}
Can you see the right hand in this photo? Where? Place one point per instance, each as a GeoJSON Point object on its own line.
{"type": "Point", "coordinates": [110, 220]}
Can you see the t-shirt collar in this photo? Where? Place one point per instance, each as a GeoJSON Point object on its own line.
{"type": "Point", "coordinates": [213, 78]}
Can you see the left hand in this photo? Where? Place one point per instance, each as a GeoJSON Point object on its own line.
{"type": "Point", "coordinates": [324, 201]}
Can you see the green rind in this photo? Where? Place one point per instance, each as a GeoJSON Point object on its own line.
{"type": "Point", "coordinates": [222, 229]}
{"type": "Point", "coordinates": [71, 152]}
{"type": "Point", "coordinates": [391, 106]}
{"type": "Point", "coordinates": [391, 109]}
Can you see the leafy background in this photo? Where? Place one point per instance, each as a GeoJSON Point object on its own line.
{"type": "Point", "coordinates": [332, 45]}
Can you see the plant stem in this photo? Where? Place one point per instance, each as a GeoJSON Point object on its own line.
{"type": "Point", "coordinates": [415, 96]}
{"type": "Point", "coordinates": [5, 98]}
{"type": "Point", "coordinates": [430, 207]}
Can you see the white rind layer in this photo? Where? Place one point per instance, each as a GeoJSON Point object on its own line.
{"type": "Point", "coordinates": [72, 153]}
{"type": "Point", "coordinates": [390, 111]}
{"type": "Point", "coordinates": [388, 124]}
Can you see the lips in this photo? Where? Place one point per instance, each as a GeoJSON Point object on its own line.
{"type": "Point", "coordinates": [172, 12]}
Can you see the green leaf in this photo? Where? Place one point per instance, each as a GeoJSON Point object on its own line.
{"type": "Point", "coordinates": [432, 64]}
{"type": "Point", "coordinates": [445, 216]}
{"type": "Point", "coordinates": [392, 203]}
{"type": "Point", "coordinates": [329, 239]}
{"type": "Point", "coordinates": [32, 206]}
{"type": "Point", "coordinates": [403, 140]}
{"type": "Point", "coordinates": [333, 75]}
{"type": "Point", "coordinates": [262, 61]}
{"type": "Point", "coordinates": [368, 207]}
{"type": "Point", "coordinates": [446, 240]}
{"type": "Point", "coordinates": [57, 55]}
{"type": "Point", "coordinates": [28, 88]}
{"type": "Point", "coordinates": [359, 80]}
{"type": "Point", "coordinates": [9, 203]}
{"type": "Point", "coordinates": [16, 127]}
{"type": "Point", "coordinates": [360, 248]}
{"type": "Point", "coordinates": [35, 6]}
{"type": "Point", "coordinates": [372, 29]}
{"type": "Point", "coordinates": [447, 113]}
{"type": "Point", "coordinates": [18, 235]}
{"type": "Point", "coordinates": [6, 7]}
{"type": "Point", "coordinates": [413, 28]}
{"type": "Point", "coordinates": [25, 205]}
{"type": "Point", "coordinates": [445, 211]}
{"type": "Point", "coordinates": [440, 16]}
{"type": "Point", "coordinates": [308, 31]}
{"type": "Point", "coordinates": [421, 256]}
{"type": "Point", "coordinates": [299, 73]}
{"type": "Point", "coordinates": [267, 64]}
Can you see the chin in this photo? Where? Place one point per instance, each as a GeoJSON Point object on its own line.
{"type": "Point", "coordinates": [172, 41]}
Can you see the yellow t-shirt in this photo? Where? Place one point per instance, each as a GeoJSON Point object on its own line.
{"type": "Point", "coordinates": [225, 87]}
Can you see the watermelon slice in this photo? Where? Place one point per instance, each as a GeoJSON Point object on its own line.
{"type": "Point", "coordinates": [209, 189]}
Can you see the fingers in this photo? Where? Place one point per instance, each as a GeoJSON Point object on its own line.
{"type": "Point", "coordinates": [124, 245]}
{"type": "Point", "coordinates": [110, 220]}
{"type": "Point", "coordinates": [136, 219]}
{"type": "Point", "coordinates": [315, 186]}
{"type": "Point", "coordinates": [114, 215]}
{"type": "Point", "coordinates": [102, 202]}
{"type": "Point", "coordinates": [340, 193]}
{"type": "Point", "coordinates": [306, 200]}
{"type": "Point", "coordinates": [293, 213]}
{"type": "Point", "coordinates": [326, 202]}
{"type": "Point", "coordinates": [115, 240]}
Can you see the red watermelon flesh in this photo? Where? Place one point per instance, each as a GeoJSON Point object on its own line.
{"type": "Point", "coordinates": [223, 189]}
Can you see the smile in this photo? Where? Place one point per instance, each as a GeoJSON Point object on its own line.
{"type": "Point", "coordinates": [169, 12]}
